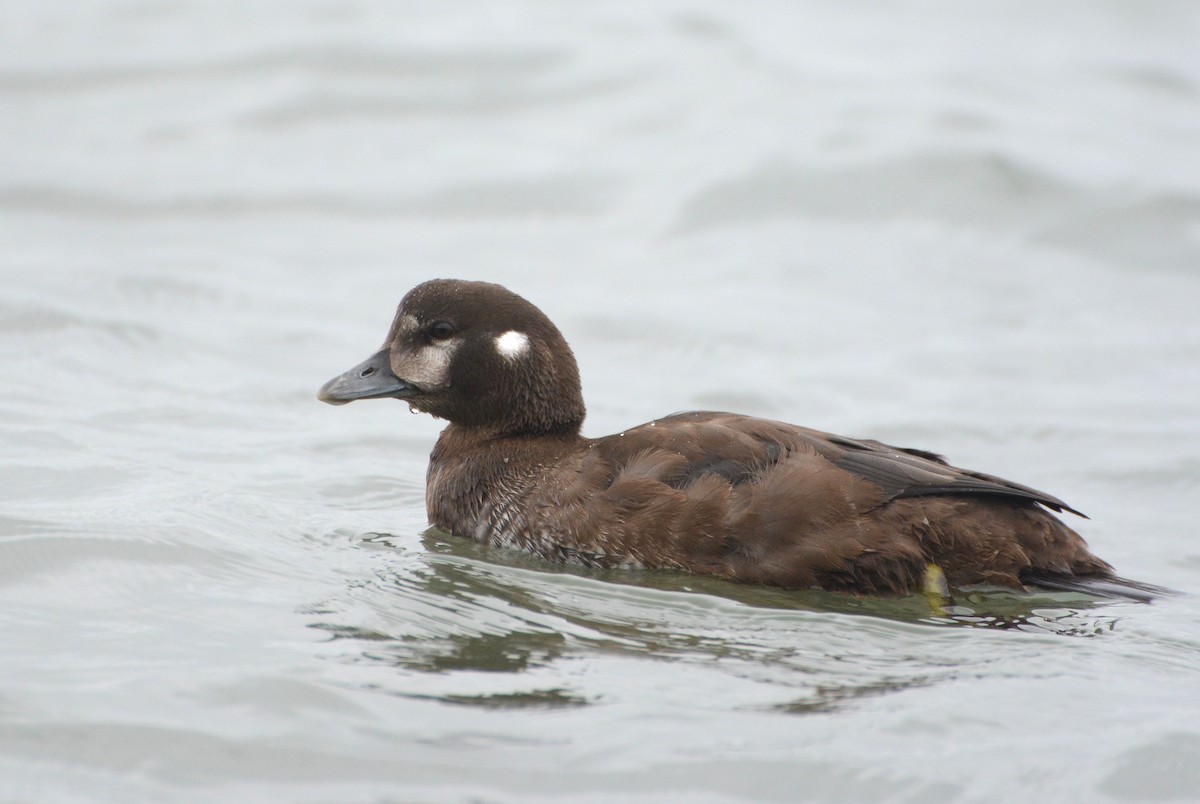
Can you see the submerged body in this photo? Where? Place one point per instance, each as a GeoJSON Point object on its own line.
{"type": "Point", "coordinates": [721, 494]}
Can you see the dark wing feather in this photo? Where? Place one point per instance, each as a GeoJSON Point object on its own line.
{"type": "Point", "coordinates": [908, 473]}
{"type": "Point", "coordinates": [738, 448]}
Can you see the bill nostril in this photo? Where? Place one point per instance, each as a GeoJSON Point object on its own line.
{"type": "Point", "coordinates": [367, 372]}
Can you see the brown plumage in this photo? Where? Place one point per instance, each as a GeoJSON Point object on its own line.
{"type": "Point", "coordinates": [715, 493]}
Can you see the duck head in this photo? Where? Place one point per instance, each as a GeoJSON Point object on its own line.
{"type": "Point", "coordinates": [475, 354]}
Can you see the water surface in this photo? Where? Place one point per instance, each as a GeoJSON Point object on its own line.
{"type": "Point", "coordinates": [972, 230]}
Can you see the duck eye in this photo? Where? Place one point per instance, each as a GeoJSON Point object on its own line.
{"type": "Point", "coordinates": [441, 330]}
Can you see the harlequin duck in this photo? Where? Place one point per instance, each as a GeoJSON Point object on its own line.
{"type": "Point", "coordinates": [721, 494]}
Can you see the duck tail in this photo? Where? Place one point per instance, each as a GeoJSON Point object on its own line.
{"type": "Point", "coordinates": [1111, 586]}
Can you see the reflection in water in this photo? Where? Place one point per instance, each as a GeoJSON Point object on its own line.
{"type": "Point", "coordinates": [554, 698]}
{"type": "Point", "coordinates": [830, 698]}
{"type": "Point", "coordinates": [464, 608]}
{"type": "Point", "coordinates": [514, 652]}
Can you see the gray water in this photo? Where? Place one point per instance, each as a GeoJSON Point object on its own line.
{"type": "Point", "coordinates": [972, 228]}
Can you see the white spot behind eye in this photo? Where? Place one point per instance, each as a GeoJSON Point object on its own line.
{"type": "Point", "coordinates": [512, 344]}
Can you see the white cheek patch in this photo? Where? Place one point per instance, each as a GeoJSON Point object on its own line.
{"type": "Point", "coordinates": [512, 345]}
{"type": "Point", "coordinates": [429, 366]}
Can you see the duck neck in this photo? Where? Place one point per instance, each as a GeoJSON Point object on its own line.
{"type": "Point", "coordinates": [473, 470]}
